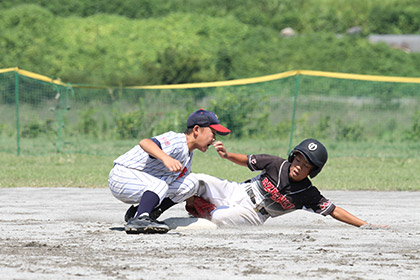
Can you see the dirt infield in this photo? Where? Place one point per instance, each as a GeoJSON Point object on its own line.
{"type": "Point", "coordinates": [72, 233]}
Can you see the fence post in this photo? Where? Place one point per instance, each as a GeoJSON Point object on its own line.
{"type": "Point", "coordinates": [17, 111]}
{"type": "Point", "coordinates": [294, 111]}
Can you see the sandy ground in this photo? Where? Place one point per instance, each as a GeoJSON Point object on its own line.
{"type": "Point", "coordinates": [71, 233]}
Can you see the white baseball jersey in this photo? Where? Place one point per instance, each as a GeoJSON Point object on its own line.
{"type": "Point", "coordinates": [136, 171]}
{"type": "Point", "coordinates": [173, 144]}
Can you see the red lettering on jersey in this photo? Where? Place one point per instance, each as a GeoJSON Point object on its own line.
{"type": "Point", "coordinates": [165, 141]}
{"type": "Point", "coordinates": [182, 173]}
{"type": "Point", "coordinates": [276, 195]}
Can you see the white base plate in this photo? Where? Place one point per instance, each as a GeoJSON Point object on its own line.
{"type": "Point", "coordinates": [180, 223]}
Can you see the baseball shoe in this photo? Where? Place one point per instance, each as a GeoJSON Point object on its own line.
{"type": "Point", "coordinates": [155, 213]}
{"type": "Point", "coordinates": [131, 212]}
{"type": "Point", "coordinates": [145, 224]}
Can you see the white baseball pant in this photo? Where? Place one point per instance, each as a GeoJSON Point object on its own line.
{"type": "Point", "coordinates": [233, 204]}
{"type": "Point", "coordinates": [128, 185]}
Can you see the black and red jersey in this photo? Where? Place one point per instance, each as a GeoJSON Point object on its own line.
{"type": "Point", "coordinates": [282, 195]}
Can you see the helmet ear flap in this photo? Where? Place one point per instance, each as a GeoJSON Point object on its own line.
{"type": "Point", "coordinates": [292, 156]}
{"type": "Point", "coordinates": [314, 172]}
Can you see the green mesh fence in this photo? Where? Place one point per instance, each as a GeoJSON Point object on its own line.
{"type": "Point", "coordinates": [355, 117]}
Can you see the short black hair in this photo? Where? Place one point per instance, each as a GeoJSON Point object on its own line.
{"type": "Point", "coordinates": [188, 130]}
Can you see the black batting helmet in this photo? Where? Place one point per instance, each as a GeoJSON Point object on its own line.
{"type": "Point", "coordinates": [314, 152]}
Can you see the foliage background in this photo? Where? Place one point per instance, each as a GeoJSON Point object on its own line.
{"type": "Point", "coordinates": [138, 42]}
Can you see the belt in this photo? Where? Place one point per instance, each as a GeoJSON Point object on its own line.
{"type": "Point", "coordinates": [260, 209]}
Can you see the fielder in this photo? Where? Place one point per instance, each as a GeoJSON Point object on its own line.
{"type": "Point", "coordinates": [157, 170]}
{"type": "Point", "coordinates": [281, 187]}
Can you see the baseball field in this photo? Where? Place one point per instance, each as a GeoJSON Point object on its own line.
{"type": "Point", "coordinates": [82, 82]}
{"type": "Point", "coordinates": [77, 233]}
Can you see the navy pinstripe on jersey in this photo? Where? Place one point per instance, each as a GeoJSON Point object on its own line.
{"type": "Point", "coordinates": [173, 144]}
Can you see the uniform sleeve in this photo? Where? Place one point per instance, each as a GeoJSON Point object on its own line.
{"type": "Point", "coordinates": [325, 207]}
{"type": "Point", "coordinates": [157, 143]}
{"type": "Point", "coordinates": [170, 143]}
{"type": "Point", "coordinates": [260, 162]}
{"type": "Point", "coordinates": [317, 203]}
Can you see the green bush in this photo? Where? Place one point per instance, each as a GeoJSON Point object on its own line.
{"type": "Point", "coordinates": [36, 128]}
{"type": "Point", "coordinates": [375, 16]}
{"type": "Point", "coordinates": [305, 127]}
{"type": "Point", "coordinates": [88, 124]}
{"type": "Point", "coordinates": [388, 18]}
{"type": "Point", "coordinates": [3, 127]}
{"type": "Point", "coordinates": [198, 41]}
{"type": "Point", "coordinates": [349, 131]}
{"type": "Point", "coordinates": [128, 125]}
{"type": "Point", "coordinates": [281, 130]}
{"type": "Point", "coordinates": [320, 130]}
{"type": "Point", "coordinates": [173, 66]}
{"type": "Point", "coordinates": [244, 113]}
{"type": "Point", "coordinates": [132, 124]}
{"type": "Point", "coordinates": [29, 37]}
{"type": "Point", "coordinates": [413, 134]}
{"type": "Point", "coordinates": [171, 121]}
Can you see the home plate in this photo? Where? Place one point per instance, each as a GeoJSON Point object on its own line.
{"type": "Point", "coordinates": [180, 223]}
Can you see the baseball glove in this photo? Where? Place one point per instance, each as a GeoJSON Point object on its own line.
{"type": "Point", "coordinates": [200, 208]}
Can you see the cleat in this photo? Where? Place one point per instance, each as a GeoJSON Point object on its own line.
{"type": "Point", "coordinates": [145, 224]}
{"type": "Point", "coordinates": [131, 212]}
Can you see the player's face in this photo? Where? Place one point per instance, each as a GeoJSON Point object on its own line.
{"type": "Point", "coordinates": [205, 138]}
{"type": "Point", "coordinates": [300, 168]}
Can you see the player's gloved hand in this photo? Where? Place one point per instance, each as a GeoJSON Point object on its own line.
{"type": "Point", "coordinates": [373, 227]}
{"type": "Point", "coordinates": [200, 208]}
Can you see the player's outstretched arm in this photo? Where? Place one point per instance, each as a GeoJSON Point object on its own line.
{"type": "Point", "coordinates": [152, 149]}
{"type": "Point", "coordinates": [239, 159]}
{"type": "Point", "coordinates": [343, 216]}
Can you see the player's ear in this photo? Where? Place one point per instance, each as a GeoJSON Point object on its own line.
{"type": "Point", "coordinates": [195, 129]}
